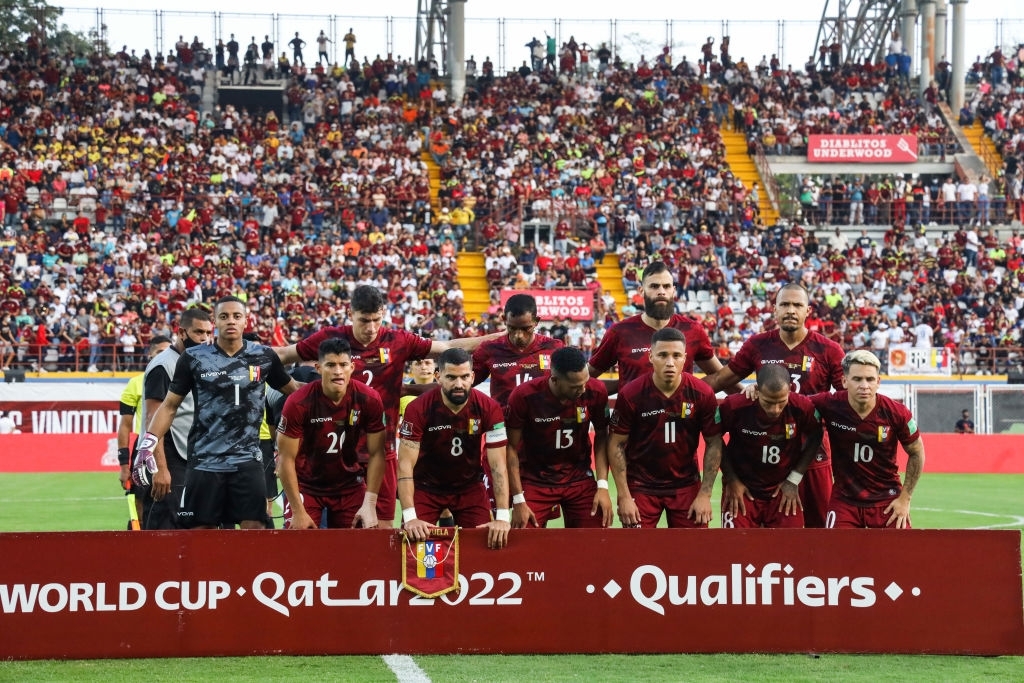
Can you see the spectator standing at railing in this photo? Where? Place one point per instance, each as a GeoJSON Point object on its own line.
{"type": "Point", "coordinates": [965, 425]}
{"type": "Point", "coordinates": [350, 46]}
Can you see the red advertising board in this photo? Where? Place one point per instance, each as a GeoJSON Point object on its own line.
{"type": "Point", "coordinates": [558, 304]}
{"type": "Point", "coordinates": [861, 149]}
{"type": "Point", "coordinates": [203, 593]}
{"type": "Point", "coordinates": [63, 407]}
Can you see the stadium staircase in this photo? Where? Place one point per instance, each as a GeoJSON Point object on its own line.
{"type": "Point", "coordinates": [743, 167]}
{"type": "Point", "coordinates": [609, 274]}
{"type": "Point", "coordinates": [473, 280]}
{"type": "Point", "coordinates": [984, 148]}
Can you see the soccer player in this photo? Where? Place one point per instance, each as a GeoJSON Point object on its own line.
{"type": "Point", "coordinates": [441, 440]}
{"type": "Point", "coordinates": [171, 454]}
{"type": "Point", "coordinates": [320, 426]}
{"type": "Point", "coordinates": [549, 446]}
{"type": "Point", "coordinates": [772, 440]}
{"type": "Point", "coordinates": [655, 430]}
{"type": "Point", "coordinates": [628, 342]}
{"type": "Point", "coordinates": [517, 356]}
{"type": "Point", "coordinates": [224, 480]}
{"type": "Point", "coordinates": [379, 356]}
{"type": "Point", "coordinates": [814, 364]}
{"type": "Point", "coordinates": [864, 428]}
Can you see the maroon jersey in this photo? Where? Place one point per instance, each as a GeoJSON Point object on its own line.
{"type": "Point", "coordinates": [628, 343]}
{"type": "Point", "coordinates": [664, 432]}
{"type": "Point", "coordinates": [509, 367]}
{"type": "Point", "coordinates": [556, 447]}
{"type": "Point", "coordinates": [452, 444]}
{"type": "Point", "coordinates": [814, 365]}
{"type": "Point", "coordinates": [380, 365]}
{"type": "Point", "coordinates": [864, 450]}
{"type": "Point", "coordinates": [327, 461]}
{"type": "Point", "coordinates": [763, 451]}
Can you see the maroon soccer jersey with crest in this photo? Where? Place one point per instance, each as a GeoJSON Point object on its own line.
{"type": "Point", "coordinates": [556, 447]}
{"type": "Point", "coordinates": [452, 444]}
{"type": "Point", "coordinates": [509, 367]}
{"type": "Point", "coordinates": [864, 450]}
{"type": "Point", "coordinates": [381, 365]}
{"type": "Point", "coordinates": [664, 432]}
{"type": "Point", "coordinates": [327, 461]}
{"type": "Point", "coordinates": [762, 451]}
{"type": "Point", "coordinates": [628, 343]}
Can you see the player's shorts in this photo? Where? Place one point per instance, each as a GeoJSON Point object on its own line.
{"type": "Point", "coordinates": [215, 498]}
{"type": "Point", "coordinates": [163, 514]}
{"type": "Point", "coordinates": [844, 515]}
{"type": "Point", "coordinates": [674, 503]}
{"type": "Point", "coordinates": [576, 500]}
{"type": "Point", "coordinates": [330, 512]}
{"type": "Point", "coordinates": [388, 493]}
{"type": "Point", "coordinates": [762, 513]}
{"type": "Point", "coordinates": [815, 493]}
{"type": "Point", "coordinates": [469, 506]}
{"type": "Point", "coordinates": [269, 467]}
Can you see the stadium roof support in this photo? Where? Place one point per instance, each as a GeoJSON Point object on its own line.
{"type": "Point", "coordinates": [432, 32]}
{"type": "Point", "coordinates": [861, 27]}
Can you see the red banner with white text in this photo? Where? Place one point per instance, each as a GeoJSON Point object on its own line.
{"type": "Point", "coordinates": [210, 593]}
{"type": "Point", "coordinates": [558, 304]}
{"type": "Point", "coordinates": [845, 149]}
{"type": "Point", "coordinates": [63, 408]}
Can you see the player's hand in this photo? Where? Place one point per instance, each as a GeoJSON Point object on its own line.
{"type": "Point", "coordinates": [733, 493]}
{"type": "Point", "coordinates": [750, 391]}
{"type": "Point", "coordinates": [700, 510]}
{"type": "Point", "coordinates": [161, 484]}
{"type": "Point", "coordinates": [900, 509]}
{"type": "Point", "coordinates": [417, 529]}
{"type": "Point", "coordinates": [522, 516]}
{"type": "Point", "coordinates": [125, 476]}
{"type": "Point", "coordinates": [145, 463]}
{"type": "Point", "coordinates": [301, 520]}
{"type": "Point", "coordinates": [497, 533]}
{"type": "Point", "coordinates": [629, 514]}
{"type": "Point", "coordinates": [790, 492]}
{"type": "Point", "coordinates": [603, 502]}
{"type": "Point", "coordinates": [366, 516]}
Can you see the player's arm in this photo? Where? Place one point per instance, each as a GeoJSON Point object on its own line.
{"type": "Point", "coordinates": [629, 515]}
{"type": "Point", "coordinates": [465, 343]}
{"type": "Point", "coordinates": [497, 530]}
{"type": "Point", "coordinates": [288, 354]}
{"type": "Point", "coordinates": [602, 499]}
{"type": "Point", "coordinates": [417, 389]}
{"type": "Point", "coordinates": [124, 442]}
{"type": "Point", "coordinates": [162, 477]}
{"type": "Point", "coordinates": [164, 416]}
{"type": "Point", "coordinates": [789, 489]}
{"type": "Point", "coordinates": [288, 451]}
{"type": "Point", "coordinates": [734, 491]}
{"type": "Point", "coordinates": [721, 379]}
{"type": "Point", "coordinates": [366, 516]}
{"type": "Point", "coordinates": [701, 508]}
{"type": "Point", "coordinates": [522, 515]}
{"type": "Point", "coordinates": [900, 507]}
{"type": "Point", "coordinates": [408, 454]}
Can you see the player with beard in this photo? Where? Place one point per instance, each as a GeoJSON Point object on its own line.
{"type": "Point", "coordinates": [655, 431]}
{"type": "Point", "coordinates": [865, 428]}
{"type": "Point", "coordinates": [441, 440]}
{"type": "Point", "coordinates": [772, 440]}
{"type": "Point", "coordinates": [628, 342]}
{"type": "Point", "coordinates": [320, 426]}
{"type": "Point", "coordinates": [814, 364]}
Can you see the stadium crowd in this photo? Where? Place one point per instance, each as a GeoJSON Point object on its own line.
{"type": "Point", "coordinates": [124, 202]}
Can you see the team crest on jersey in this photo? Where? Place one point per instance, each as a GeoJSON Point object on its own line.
{"type": "Point", "coordinates": [544, 362]}
{"type": "Point", "coordinates": [790, 430]}
{"type": "Point", "coordinates": [255, 373]}
{"type": "Point", "coordinates": [474, 426]}
{"type": "Point", "coordinates": [581, 414]}
{"type": "Point", "coordinates": [353, 417]}
{"type": "Point", "coordinates": [883, 434]}
{"type": "Point", "coordinates": [807, 363]}
{"type": "Point", "coordinates": [687, 410]}
{"type": "Point", "coordinates": [385, 356]}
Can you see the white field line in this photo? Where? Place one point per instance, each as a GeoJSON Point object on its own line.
{"type": "Point", "coordinates": [1017, 519]}
{"type": "Point", "coordinates": [405, 669]}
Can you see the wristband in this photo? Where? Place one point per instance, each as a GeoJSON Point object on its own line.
{"type": "Point", "coordinates": [519, 499]}
{"type": "Point", "coordinates": [794, 478]}
{"type": "Point", "coordinates": [123, 456]}
{"type": "Point", "coordinates": [408, 515]}
{"type": "Point", "coordinates": [602, 484]}
{"type": "Point", "coordinates": [503, 515]}
{"type": "Point", "coordinates": [148, 442]}
{"type": "Point", "coordinates": [369, 498]}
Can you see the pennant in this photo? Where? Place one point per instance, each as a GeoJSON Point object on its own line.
{"type": "Point", "coordinates": [883, 433]}
{"type": "Point", "coordinates": [431, 568]}
{"type": "Point", "coordinates": [687, 410]}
